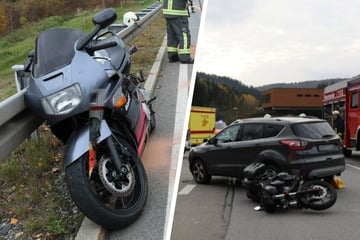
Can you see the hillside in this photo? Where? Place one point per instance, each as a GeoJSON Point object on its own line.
{"type": "Point", "coordinates": [306, 84]}
{"type": "Point", "coordinates": [233, 99]}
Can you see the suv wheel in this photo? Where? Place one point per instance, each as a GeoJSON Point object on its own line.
{"type": "Point", "coordinates": [199, 172]}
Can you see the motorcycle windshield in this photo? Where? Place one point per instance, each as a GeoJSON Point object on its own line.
{"type": "Point", "coordinates": [54, 49]}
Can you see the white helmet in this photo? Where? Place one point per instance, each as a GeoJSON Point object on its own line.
{"type": "Point", "coordinates": [336, 112]}
{"type": "Point", "coordinates": [130, 18]}
{"type": "Point", "coordinates": [267, 116]}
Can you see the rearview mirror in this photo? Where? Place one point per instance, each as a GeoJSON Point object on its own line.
{"type": "Point", "coordinates": [105, 17]}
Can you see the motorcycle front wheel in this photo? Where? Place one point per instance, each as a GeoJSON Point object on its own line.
{"type": "Point", "coordinates": [109, 199]}
{"type": "Point", "coordinates": [324, 196]}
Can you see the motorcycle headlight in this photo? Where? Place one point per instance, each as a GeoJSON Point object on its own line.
{"type": "Point", "coordinates": [63, 101]}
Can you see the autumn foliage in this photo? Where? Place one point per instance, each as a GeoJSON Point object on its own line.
{"type": "Point", "coordinates": [231, 98]}
{"type": "Point", "coordinates": [3, 21]}
{"type": "Point", "coordinates": [16, 13]}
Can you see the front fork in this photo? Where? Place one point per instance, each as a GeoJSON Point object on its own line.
{"type": "Point", "coordinates": [96, 114]}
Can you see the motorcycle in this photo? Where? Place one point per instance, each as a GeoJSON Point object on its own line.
{"type": "Point", "coordinates": [82, 86]}
{"type": "Point", "coordinates": [285, 190]}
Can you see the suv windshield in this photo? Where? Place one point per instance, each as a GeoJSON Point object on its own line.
{"type": "Point", "coordinates": [313, 130]}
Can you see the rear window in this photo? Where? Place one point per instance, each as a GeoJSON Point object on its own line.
{"type": "Point", "coordinates": [313, 130]}
{"type": "Point", "coordinates": [251, 132]}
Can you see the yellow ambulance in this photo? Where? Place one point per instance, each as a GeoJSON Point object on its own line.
{"type": "Point", "coordinates": [201, 124]}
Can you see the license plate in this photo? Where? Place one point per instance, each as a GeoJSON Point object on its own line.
{"type": "Point", "coordinates": [327, 148]}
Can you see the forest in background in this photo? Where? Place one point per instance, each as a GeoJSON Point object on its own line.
{"type": "Point", "coordinates": [18, 13]}
{"type": "Point", "coordinates": [231, 98]}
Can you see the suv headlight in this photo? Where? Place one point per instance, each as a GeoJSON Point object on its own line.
{"type": "Point", "coordinates": [63, 101]}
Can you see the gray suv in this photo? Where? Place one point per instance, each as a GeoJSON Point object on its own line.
{"type": "Point", "coordinates": [283, 143]}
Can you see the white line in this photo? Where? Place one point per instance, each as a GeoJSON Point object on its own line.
{"type": "Point", "coordinates": [187, 189]}
{"type": "Point", "coordinates": [349, 165]}
{"type": "Point", "coordinates": [177, 152]}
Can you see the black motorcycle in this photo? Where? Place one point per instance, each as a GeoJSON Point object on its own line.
{"type": "Point", "coordinates": [286, 190]}
{"type": "Point", "coordinates": [82, 86]}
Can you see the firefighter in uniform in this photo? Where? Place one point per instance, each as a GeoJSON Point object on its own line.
{"type": "Point", "coordinates": [338, 123]}
{"type": "Point", "coordinates": [177, 26]}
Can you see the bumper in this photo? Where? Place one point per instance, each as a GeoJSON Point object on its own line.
{"type": "Point", "coordinates": [324, 172]}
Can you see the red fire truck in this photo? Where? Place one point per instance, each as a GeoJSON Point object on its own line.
{"type": "Point", "coordinates": [344, 96]}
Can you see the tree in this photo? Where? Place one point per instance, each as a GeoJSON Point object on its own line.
{"type": "Point", "coordinates": [225, 95]}
{"type": "Point", "coordinates": [3, 21]}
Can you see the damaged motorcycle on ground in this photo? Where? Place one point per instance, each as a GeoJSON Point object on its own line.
{"type": "Point", "coordinates": [285, 190]}
{"type": "Point", "coordinates": [82, 87]}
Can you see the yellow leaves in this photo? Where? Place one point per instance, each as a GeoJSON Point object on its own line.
{"type": "Point", "coordinates": [13, 221]}
{"type": "Point", "coordinates": [250, 99]}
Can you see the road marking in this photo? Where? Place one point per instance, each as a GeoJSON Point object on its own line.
{"type": "Point", "coordinates": [349, 165]}
{"type": "Point", "coordinates": [178, 146]}
{"type": "Point", "coordinates": [187, 189]}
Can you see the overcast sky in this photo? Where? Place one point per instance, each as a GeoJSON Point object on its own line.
{"type": "Point", "coordinates": [272, 41]}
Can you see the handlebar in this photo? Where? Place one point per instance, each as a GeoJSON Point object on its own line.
{"type": "Point", "coordinates": [95, 46]}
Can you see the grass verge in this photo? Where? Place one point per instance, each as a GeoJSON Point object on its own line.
{"type": "Point", "coordinates": [34, 202]}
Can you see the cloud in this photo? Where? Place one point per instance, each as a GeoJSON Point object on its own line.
{"type": "Point", "coordinates": [260, 42]}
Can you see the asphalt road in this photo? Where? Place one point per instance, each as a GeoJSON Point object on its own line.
{"type": "Point", "coordinates": [161, 154]}
{"type": "Point", "coordinates": [221, 210]}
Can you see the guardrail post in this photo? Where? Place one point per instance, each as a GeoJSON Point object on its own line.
{"type": "Point", "coordinates": [22, 79]}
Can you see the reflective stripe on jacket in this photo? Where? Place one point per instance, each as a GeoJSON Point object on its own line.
{"type": "Point", "coordinates": [175, 8]}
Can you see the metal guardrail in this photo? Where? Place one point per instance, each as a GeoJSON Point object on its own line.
{"type": "Point", "coordinates": [17, 121]}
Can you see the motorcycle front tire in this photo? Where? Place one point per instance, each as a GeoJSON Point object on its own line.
{"type": "Point", "coordinates": [93, 199]}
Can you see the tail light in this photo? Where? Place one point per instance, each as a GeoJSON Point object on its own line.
{"type": "Point", "coordinates": [295, 145]}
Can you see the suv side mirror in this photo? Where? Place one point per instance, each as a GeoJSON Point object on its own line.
{"type": "Point", "coordinates": [213, 141]}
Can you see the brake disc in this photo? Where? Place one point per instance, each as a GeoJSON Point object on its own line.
{"type": "Point", "coordinates": [121, 185]}
{"type": "Point", "coordinates": [321, 192]}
